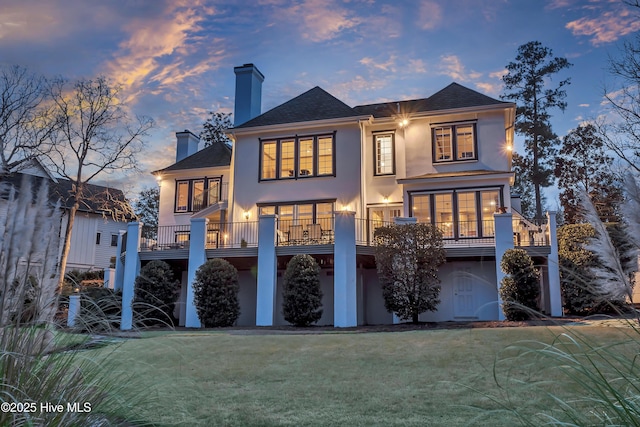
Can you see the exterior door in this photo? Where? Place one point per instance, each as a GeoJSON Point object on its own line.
{"type": "Point", "coordinates": [463, 300]}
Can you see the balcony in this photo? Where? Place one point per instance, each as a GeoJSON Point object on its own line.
{"type": "Point", "coordinates": [301, 232]}
{"type": "Point", "coordinates": [296, 232]}
{"type": "Point", "coordinates": [219, 235]}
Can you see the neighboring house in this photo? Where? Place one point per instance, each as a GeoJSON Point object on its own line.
{"type": "Point", "coordinates": [96, 229]}
{"type": "Point", "coordinates": [317, 176]}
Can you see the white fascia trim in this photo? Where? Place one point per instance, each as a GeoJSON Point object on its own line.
{"type": "Point", "coordinates": [417, 115]}
{"type": "Point", "coordinates": [306, 125]}
{"type": "Point", "coordinates": [497, 176]}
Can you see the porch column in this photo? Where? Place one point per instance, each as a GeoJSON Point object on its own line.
{"type": "Point", "coordinates": [402, 221]}
{"type": "Point", "coordinates": [504, 241]}
{"type": "Point", "coordinates": [553, 267]}
{"type": "Point", "coordinates": [109, 278]}
{"type": "Point", "coordinates": [197, 257]}
{"type": "Point", "coordinates": [74, 310]}
{"type": "Point", "coordinates": [345, 299]}
{"type": "Point", "coordinates": [119, 263]}
{"type": "Point", "coordinates": [131, 271]}
{"type": "Point", "coordinates": [267, 271]}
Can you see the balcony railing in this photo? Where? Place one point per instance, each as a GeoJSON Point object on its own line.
{"type": "Point", "coordinates": [242, 234]}
{"type": "Point", "coordinates": [365, 229]}
{"type": "Point", "coordinates": [167, 237]}
{"type": "Point", "coordinates": [303, 231]}
{"type": "Point", "coordinates": [219, 235]}
{"type": "Point", "coordinates": [293, 232]}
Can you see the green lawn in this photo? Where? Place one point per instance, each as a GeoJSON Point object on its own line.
{"type": "Point", "coordinates": [438, 377]}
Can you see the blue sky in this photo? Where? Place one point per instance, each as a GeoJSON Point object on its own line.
{"type": "Point", "coordinates": [176, 58]}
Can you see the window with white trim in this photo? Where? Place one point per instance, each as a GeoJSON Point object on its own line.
{"type": "Point", "coordinates": [384, 154]}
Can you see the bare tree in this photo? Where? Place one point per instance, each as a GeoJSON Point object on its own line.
{"type": "Point", "coordinates": [95, 135]}
{"type": "Point", "coordinates": [25, 120]}
{"type": "Point", "coordinates": [623, 136]}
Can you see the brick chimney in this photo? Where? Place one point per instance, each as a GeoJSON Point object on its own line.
{"type": "Point", "coordinates": [186, 145]}
{"type": "Point", "coordinates": [248, 93]}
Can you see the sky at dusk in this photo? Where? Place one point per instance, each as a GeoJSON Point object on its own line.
{"type": "Point", "coordinates": [175, 59]}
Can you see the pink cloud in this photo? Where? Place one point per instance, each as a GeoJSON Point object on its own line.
{"type": "Point", "coordinates": [606, 28]}
{"type": "Point", "coordinates": [429, 15]}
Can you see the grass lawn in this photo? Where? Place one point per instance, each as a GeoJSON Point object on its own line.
{"type": "Point", "coordinates": [437, 377]}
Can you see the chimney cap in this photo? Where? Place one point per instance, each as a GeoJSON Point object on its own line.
{"type": "Point", "coordinates": [249, 67]}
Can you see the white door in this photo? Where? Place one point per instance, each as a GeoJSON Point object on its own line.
{"type": "Point", "coordinates": [463, 301]}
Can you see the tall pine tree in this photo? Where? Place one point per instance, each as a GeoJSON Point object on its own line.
{"type": "Point", "coordinates": [527, 83]}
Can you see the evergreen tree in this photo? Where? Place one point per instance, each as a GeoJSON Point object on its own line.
{"type": "Point", "coordinates": [302, 295]}
{"type": "Point", "coordinates": [583, 165]}
{"type": "Point", "coordinates": [527, 84]}
{"type": "Point", "coordinates": [147, 208]}
{"type": "Point", "coordinates": [216, 293]}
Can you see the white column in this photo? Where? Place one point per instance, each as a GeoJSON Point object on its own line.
{"type": "Point", "coordinates": [345, 299]}
{"type": "Point", "coordinates": [553, 267]}
{"type": "Point", "coordinates": [119, 263]}
{"type": "Point", "coordinates": [131, 271]}
{"type": "Point", "coordinates": [504, 241]}
{"type": "Point", "coordinates": [109, 278]}
{"type": "Point", "coordinates": [267, 271]}
{"type": "Point", "coordinates": [197, 257]}
{"type": "Point", "coordinates": [74, 310]}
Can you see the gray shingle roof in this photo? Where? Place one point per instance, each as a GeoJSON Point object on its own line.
{"type": "Point", "coordinates": [451, 97]}
{"type": "Point", "coordinates": [217, 154]}
{"type": "Point", "coordinates": [315, 104]}
{"type": "Point", "coordinates": [97, 198]}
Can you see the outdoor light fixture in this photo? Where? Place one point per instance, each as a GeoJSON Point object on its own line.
{"type": "Point", "coordinates": [385, 200]}
{"type": "Point", "coordinates": [246, 215]}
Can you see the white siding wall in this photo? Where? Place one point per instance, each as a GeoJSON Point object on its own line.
{"type": "Point", "coordinates": [167, 215]}
{"type": "Point", "coordinates": [83, 242]}
{"type": "Point", "coordinates": [85, 254]}
{"type": "Point", "coordinates": [413, 153]}
{"type": "Point", "coordinates": [344, 187]}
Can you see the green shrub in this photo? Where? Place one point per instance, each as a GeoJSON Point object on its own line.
{"type": "Point", "coordinates": [302, 295]}
{"type": "Point", "coordinates": [100, 310]}
{"type": "Point", "coordinates": [407, 259]}
{"type": "Point", "coordinates": [216, 293]}
{"type": "Point", "coordinates": [579, 295]}
{"type": "Point", "coordinates": [156, 292]}
{"type": "Point", "coordinates": [520, 290]}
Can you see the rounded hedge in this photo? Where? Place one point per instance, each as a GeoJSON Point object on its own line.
{"type": "Point", "coordinates": [302, 294]}
{"type": "Point", "coordinates": [520, 290]}
{"type": "Point", "coordinates": [156, 292]}
{"type": "Point", "coordinates": [216, 293]}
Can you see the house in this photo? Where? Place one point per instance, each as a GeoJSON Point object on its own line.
{"type": "Point", "coordinates": [317, 176]}
{"type": "Point", "coordinates": [98, 222]}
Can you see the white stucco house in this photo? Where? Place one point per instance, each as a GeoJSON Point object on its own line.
{"type": "Point", "coordinates": [317, 176]}
{"type": "Point", "coordinates": [96, 230]}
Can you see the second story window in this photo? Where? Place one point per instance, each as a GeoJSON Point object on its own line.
{"type": "Point", "coordinates": [193, 195]}
{"type": "Point", "coordinates": [298, 157]}
{"type": "Point", "coordinates": [384, 154]}
{"type": "Point", "coordinates": [454, 143]}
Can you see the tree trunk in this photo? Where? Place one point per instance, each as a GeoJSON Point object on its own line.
{"type": "Point", "coordinates": [67, 243]}
{"type": "Point", "coordinates": [414, 318]}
